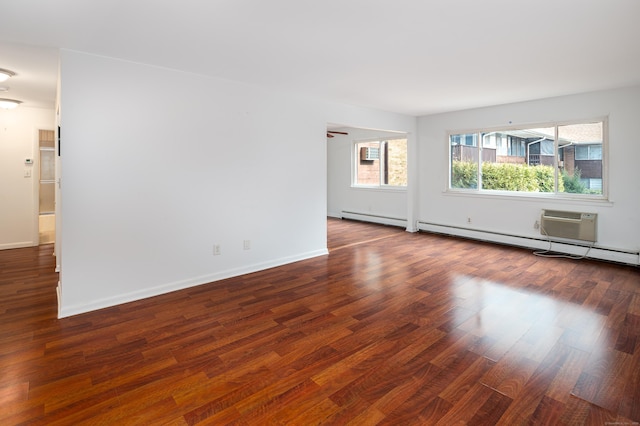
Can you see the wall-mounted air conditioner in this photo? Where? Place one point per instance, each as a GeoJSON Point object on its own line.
{"type": "Point", "coordinates": [570, 225]}
{"type": "Point", "coordinates": [369, 153]}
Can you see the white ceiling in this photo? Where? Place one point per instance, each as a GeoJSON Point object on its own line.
{"type": "Point", "coordinates": [408, 56]}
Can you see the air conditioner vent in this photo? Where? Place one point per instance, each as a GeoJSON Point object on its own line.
{"type": "Point", "coordinates": [570, 225]}
{"type": "Point", "coordinates": [562, 214]}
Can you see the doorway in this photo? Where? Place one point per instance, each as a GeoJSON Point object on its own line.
{"type": "Point", "coordinates": [47, 217]}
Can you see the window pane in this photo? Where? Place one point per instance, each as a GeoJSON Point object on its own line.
{"type": "Point", "coordinates": [581, 146]}
{"type": "Point", "coordinates": [368, 163]}
{"type": "Point", "coordinates": [582, 152]}
{"type": "Point", "coordinates": [464, 162]}
{"type": "Point", "coordinates": [381, 163]}
{"type": "Point", "coordinates": [501, 144]}
{"type": "Point", "coordinates": [547, 147]}
{"type": "Point", "coordinates": [396, 161]}
{"type": "Point", "coordinates": [522, 160]}
{"type": "Point", "coordinates": [47, 165]}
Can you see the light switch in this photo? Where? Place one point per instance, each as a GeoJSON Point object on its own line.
{"type": "Point", "coordinates": [27, 172]}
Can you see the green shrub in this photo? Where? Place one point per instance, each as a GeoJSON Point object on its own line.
{"type": "Point", "coordinates": [509, 177]}
{"type": "Point", "coordinates": [573, 184]}
{"type": "Point", "coordinates": [504, 177]}
{"type": "Point", "coordinates": [464, 174]}
{"type": "Point", "coordinates": [545, 178]}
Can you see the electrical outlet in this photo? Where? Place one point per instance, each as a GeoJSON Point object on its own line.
{"type": "Point", "coordinates": [536, 225]}
{"type": "Point", "coordinates": [247, 244]}
{"type": "Point", "coordinates": [216, 249]}
{"type": "Point", "coordinates": [469, 219]}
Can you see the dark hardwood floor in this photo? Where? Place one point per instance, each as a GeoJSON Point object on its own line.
{"type": "Point", "coordinates": [390, 328]}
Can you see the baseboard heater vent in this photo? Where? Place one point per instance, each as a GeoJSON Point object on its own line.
{"type": "Point", "coordinates": [569, 225]}
{"type": "Point", "coordinates": [368, 217]}
{"type": "Point", "coordinates": [575, 247]}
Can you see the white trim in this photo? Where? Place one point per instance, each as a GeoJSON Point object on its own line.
{"type": "Point", "coordinates": [19, 244]}
{"type": "Point", "coordinates": [355, 152]}
{"type": "Point", "coordinates": [59, 297]}
{"type": "Point", "coordinates": [180, 285]}
{"type": "Point", "coordinates": [35, 185]}
{"type": "Point", "coordinates": [383, 188]}
{"type": "Point", "coordinates": [373, 218]}
{"type": "Point", "coordinates": [575, 249]}
{"type": "Point", "coordinates": [523, 196]}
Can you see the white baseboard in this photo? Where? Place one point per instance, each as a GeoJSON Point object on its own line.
{"type": "Point", "coordinates": [369, 217]}
{"type": "Point", "coordinates": [67, 311]}
{"type": "Point", "coordinates": [574, 249]}
{"type": "Point", "coordinates": [59, 298]}
{"type": "Point", "coordinates": [20, 244]}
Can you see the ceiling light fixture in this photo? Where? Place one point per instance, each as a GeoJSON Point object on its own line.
{"type": "Point", "coordinates": [5, 74]}
{"type": "Point", "coordinates": [9, 103]}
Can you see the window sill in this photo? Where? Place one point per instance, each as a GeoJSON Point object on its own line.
{"type": "Point", "coordinates": [520, 196]}
{"type": "Point", "coordinates": [380, 188]}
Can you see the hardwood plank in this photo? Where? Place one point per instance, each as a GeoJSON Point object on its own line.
{"type": "Point", "coordinates": [526, 403]}
{"type": "Point", "coordinates": [389, 328]}
{"type": "Point", "coordinates": [548, 412]}
{"type": "Point", "coordinates": [510, 374]}
{"type": "Point", "coordinates": [571, 365]}
{"type": "Point", "coordinates": [630, 404]}
{"type": "Point", "coordinates": [467, 407]}
{"type": "Point", "coordinates": [465, 379]}
{"type": "Point", "coordinates": [492, 410]}
{"type": "Point", "coordinates": [602, 382]}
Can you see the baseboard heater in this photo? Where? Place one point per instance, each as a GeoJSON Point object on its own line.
{"type": "Point", "coordinates": [368, 217]}
{"type": "Point", "coordinates": [576, 248]}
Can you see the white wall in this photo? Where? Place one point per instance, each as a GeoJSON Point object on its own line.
{"type": "Point", "coordinates": [160, 165]}
{"type": "Point", "coordinates": [18, 194]}
{"type": "Point", "coordinates": [618, 220]}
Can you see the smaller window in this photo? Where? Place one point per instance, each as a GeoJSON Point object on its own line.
{"type": "Point", "coordinates": [589, 152]}
{"type": "Point", "coordinates": [470, 140]}
{"type": "Point", "coordinates": [593, 185]}
{"type": "Point", "coordinates": [381, 163]}
{"type": "Point", "coordinates": [371, 153]}
{"type": "Point", "coordinates": [547, 147]}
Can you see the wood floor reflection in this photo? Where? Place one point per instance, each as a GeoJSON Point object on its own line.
{"type": "Point", "coordinates": [389, 328]}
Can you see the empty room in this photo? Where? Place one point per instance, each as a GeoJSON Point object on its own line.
{"type": "Point", "coordinates": [327, 212]}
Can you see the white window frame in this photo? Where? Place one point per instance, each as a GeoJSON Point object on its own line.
{"type": "Point", "coordinates": [553, 195]}
{"type": "Point", "coordinates": [356, 158]}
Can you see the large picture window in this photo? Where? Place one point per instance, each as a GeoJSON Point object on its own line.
{"type": "Point", "coordinates": [554, 159]}
{"type": "Point", "coordinates": [381, 163]}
